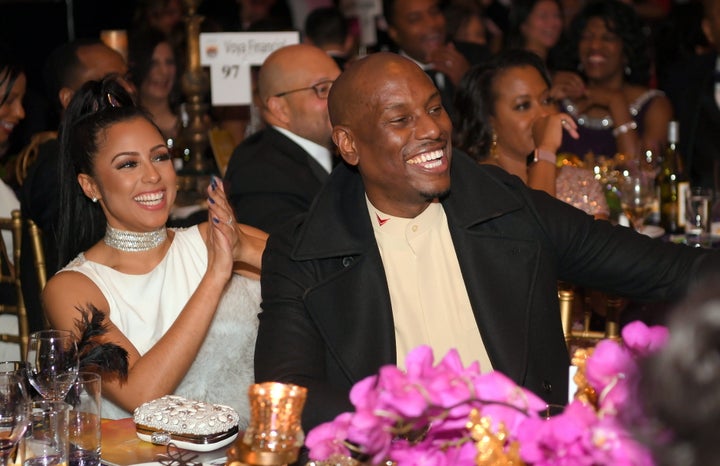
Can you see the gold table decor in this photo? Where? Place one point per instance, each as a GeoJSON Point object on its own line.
{"type": "Point", "coordinates": [275, 435]}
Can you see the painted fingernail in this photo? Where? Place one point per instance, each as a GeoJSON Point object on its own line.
{"type": "Point", "coordinates": [212, 201]}
{"type": "Point", "coordinates": [215, 220]}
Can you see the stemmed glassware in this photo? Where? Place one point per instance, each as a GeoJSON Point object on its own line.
{"type": "Point", "coordinates": [52, 363]}
{"type": "Point", "coordinates": [13, 414]}
{"type": "Point", "coordinates": [637, 194]}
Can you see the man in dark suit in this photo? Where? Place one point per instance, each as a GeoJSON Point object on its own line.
{"type": "Point", "coordinates": [417, 27]}
{"type": "Point", "coordinates": [275, 173]}
{"type": "Point", "coordinates": [328, 29]}
{"type": "Point", "coordinates": [410, 243]}
{"type": "Point", "coordinates": [694, 89]}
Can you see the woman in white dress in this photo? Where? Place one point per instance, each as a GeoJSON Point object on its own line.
{"type": "Point", "coordinates": [183, 303]}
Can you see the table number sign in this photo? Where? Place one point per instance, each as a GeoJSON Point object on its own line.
{"type": "Point", "coordinates": [230, 55]}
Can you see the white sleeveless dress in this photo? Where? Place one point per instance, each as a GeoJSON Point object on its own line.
{"type": "Point", "coordinates": [144, 307]}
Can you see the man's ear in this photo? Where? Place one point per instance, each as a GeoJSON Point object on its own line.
{"type": "Point", "coordinates": [278, 110]}
{"type": "Point", "coordinates": [88, 185]}
{"type": "Point", "coordinates": [65, 94]}
{"type": "Point", "coordinates": [707, 30]}
{"type": "Point", "coordinates": [392, 32]}
{"type": "Point", "coordinates": [348, 44]}
{"type": "Point", "coordinates": [343, 139]}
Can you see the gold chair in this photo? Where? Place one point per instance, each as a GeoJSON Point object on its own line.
{"type": "Point", "coordinates": [222, 144]}
{"type": "Point", "coordinates": [567, 295]}
{"type": "Point", "coordinates": [38, 250]}
{"type": "Point", "coordinates": [12, 302]}
{"type": "Point", "coordinates": [30, 152]}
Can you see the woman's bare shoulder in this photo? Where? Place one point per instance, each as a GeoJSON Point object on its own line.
{"type": "Point", "coordinates": [67, 291]}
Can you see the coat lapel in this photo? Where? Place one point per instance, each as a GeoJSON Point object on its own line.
{"type": "Point", "coordinates": [499, 270]}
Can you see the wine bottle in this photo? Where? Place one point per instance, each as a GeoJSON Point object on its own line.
{"type": "Point", "coordinates": [673, 185]}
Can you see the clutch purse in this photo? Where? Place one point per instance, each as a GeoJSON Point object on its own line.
{"type": "Point", "coordinates": [191, 425]}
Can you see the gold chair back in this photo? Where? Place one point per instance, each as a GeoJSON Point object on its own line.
{"type": "Point", "coordinates": [222, 144]}
{"type": "Point", "coordinates": [11, 296]}
{"type": "Point", "coordinates": [38, 250]}
{"type": "Point", "coordinates": [29, 153]}
{"type": "Point", "coordinates": [569, 298]}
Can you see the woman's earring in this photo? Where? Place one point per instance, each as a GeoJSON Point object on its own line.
{"type": "Point", "coordinates": [493, 147]}
{"type": "Point", "coordinates": [94, 199]}
{"type": "Point", "coordinates": [628, 70]}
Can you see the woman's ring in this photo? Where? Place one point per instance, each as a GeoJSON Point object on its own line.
{"type": "Point", "coordinates": [229, 221]}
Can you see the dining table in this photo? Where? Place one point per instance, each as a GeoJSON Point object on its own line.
{"type": "Point", "coordinates": [122, 447]}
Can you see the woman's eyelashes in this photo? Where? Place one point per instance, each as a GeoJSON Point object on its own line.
{"type": "Point", "coordinates": [162, 157]}
{"type": "Point", "coordinates": [134, 161]}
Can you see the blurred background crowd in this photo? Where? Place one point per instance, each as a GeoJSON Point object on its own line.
{"type": "Point", "coordinates": [666, 34]}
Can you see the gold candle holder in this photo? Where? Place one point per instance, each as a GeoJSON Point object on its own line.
{"type": "Point", "coordinates": [275, 434]}
{"type": "Point", "coordinates": [195, 84]}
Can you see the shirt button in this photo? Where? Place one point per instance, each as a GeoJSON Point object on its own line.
{"type": "Point", "coordinates": [414, 228]}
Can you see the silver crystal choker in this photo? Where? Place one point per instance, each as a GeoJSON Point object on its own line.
{"type": "Point", "coordinates": [130, 241]}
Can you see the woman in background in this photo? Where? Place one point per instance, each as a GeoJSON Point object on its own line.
{"type": "Point", "coordinates": [536, 25]}
{"type": "Point", "coordinates": [507, 117]}
{"type": "Point", "coordinates": [614, 108]}
{"type": "Point", "coordinates": [12, 90]}
{"type": "Point", "coordinates": [152, 69]}
{"type": "Point", "coordinates": [175, 299]}
{"type": "Point", "coordinates": [465, 22]}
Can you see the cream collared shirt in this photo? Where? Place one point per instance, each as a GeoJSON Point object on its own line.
{"type": "Point", "coordinates": [429, 301]}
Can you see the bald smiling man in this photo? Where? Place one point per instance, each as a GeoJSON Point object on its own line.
{"type": "Point", "coordinates": [275, 174]}
{"type": "Point", "coordinates": [411, 243]}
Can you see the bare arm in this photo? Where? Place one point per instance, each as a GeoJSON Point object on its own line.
{"type": "Point", "coordinates": [448, 60]}
{"type": "Point", "coordinates": [547, 135]}
{"type": "Point", "coordinates": [159, 371]}
{"type": "Point", "coordinates": [628, 142]}
{"type": "Point", "coordinates": [655, 124]}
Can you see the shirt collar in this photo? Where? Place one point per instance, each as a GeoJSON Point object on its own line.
{"type": "Point", "coordinates": [424, 66]}
{"type": "Point", "coordinates": [320, 153]}
{"type": "Point", "coordinates": [400, 226]}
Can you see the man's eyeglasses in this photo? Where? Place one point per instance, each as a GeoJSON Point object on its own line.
{"type": "Point", "coordinates": [321, 89]}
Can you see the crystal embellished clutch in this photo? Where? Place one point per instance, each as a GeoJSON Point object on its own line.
{"type": "Point", "coordinates": [192, 425]}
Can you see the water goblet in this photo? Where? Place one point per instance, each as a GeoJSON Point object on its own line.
{"type": "Point", "coordinates": [697, 215]}
{"type": "Point", "coordinates": [52, 363]}
{"type": "Point", "coordinates": [13, 415]}
{"type": "Point", "coordinates": [637, 194]}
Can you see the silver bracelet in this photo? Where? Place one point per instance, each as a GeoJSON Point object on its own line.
{"type": "Point", "coordinates": [541, 154]}
{"type": "Point", "coordinates": [624, 128]}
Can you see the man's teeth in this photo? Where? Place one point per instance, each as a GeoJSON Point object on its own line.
{"type": "Point", "coordinates": [150, 199]}
{"type": "Point", "coordinates": [7, 125]}
{"type": "Point", "coordinates": [428, 157]}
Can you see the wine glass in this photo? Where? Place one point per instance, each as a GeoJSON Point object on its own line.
{"type": "Point", "coordinates": [697, 213]}
{"type": "Point", "coordinates": [637, 194]}
{"type": "Point", "coordinates": [13, 414]}
{"type": "Point", "coordinates": [52, 363]}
